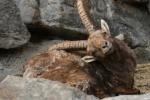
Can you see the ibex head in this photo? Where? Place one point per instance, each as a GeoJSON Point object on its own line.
{"type": "Point", "coordinates": [99, 42]}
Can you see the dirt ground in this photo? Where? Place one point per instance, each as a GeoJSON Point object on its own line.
{"type": "Point", "coordinates": [142, 77]}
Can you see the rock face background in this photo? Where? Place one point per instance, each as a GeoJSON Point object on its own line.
{"type": "Point", "coordinates": [60, 18]}
{"type": "Point", "coordinates": [46, 20]}
{"type": "Point", "coordinates": [13, 32]}
{"type": "Point", "coordinates": [128, 17]}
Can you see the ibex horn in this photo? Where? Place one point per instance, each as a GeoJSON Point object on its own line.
{"type": "Point", "coordinates": [83, 10]}
{"type": "Point", "coordinates": [70, 45]}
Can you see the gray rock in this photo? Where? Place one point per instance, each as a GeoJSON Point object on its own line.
{"type": "Point", "coordinates": [13, 60]}
{"type": "Point", "coordinates": [29, 10]}
{"type": "Point", "coordinates": [148, 6]}
{"type": "Point", "coordinates": [135, 1]}
{"type": "Point", "coordinates": [131, 97]}
{"type": "Point", "coordinates": [61, 16]}
{"type": "Point", "coordinates": [51, 15]}
{"type": "Point", "coordinates": [15, 88]}
{"type": "Point", "coordinates": [122, 18]}
{"type": "Point", "coordinates": [13, 32]}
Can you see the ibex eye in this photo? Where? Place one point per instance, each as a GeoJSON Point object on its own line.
{"type": "Point", "coordinates": [104, 33]}
{"type": "Point", "coordinates": [103, 47]}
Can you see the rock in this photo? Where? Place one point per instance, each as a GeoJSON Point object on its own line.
{"type": "Point", "coordinates": [148, 6]}
{"type": "Point", "coordinates": [63, 14]}
{"type": "Point", "coordinates": [135, 1]}
{"type": "Point", "coordinates": [13, 32]}
{"type": "Point", "coordinates": [51, 16]}
{"type": "Point", "coordinates": [130, 97]}
{"type": "Point", "coordinates": [29, 9]}
{"type": "Point", "coordinates": [60, 16]}
{"type": "Point", "coordinates": [16, 88]}
{"type": "Point", "coordinates": [13, 60]}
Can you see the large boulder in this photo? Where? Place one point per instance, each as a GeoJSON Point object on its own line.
{"type": "Point", "coordinates": [13, 32]}
{"type": "Point", "coordinates": [62, 14]}
{"type": "Point", "coordinates": [130, 97]}
{"type": "Point", "coordinates": [17, 88]}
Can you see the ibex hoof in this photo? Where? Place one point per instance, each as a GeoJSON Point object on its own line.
{"type": "Point", "coordinates": [88, 59]}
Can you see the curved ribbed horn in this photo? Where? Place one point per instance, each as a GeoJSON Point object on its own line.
{"type": "Point", "coordinates": [83, 10]}
{"type": "Point", "coordinates": [70, 45]}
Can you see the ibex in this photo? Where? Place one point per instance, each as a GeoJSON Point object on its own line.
{"type": "Point", "coordinates": [105, 68]}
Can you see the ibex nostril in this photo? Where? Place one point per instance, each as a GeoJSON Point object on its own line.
{"type": "Point", "coordinates": [104, 44]}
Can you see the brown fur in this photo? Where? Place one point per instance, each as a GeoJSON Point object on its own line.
{"type": "Point", "coordinates": [112, 74]}
{"type": "Point", "coordinates": [59, 66]}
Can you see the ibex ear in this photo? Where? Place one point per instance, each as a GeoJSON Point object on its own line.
{"type": "Point", "coordinates": [120, 37]}
{"type": "Point", "coordinates": [105, 27]}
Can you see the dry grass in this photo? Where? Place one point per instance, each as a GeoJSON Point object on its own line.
{"type": "Point", "coordinates": [142, 77]}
